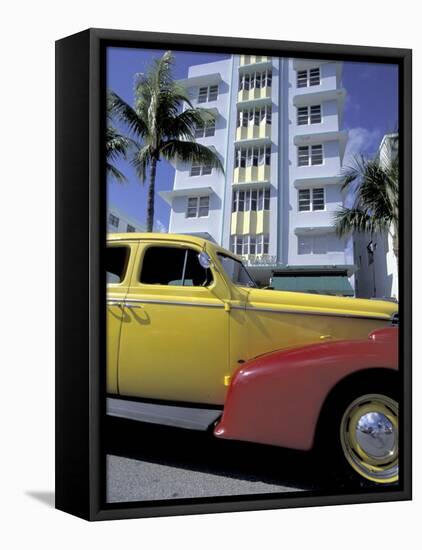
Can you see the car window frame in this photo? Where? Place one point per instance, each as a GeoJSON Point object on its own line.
{"type": "Point", "coordinates": [170, 244]}
{"type": "Point", "coordinates": [130, 250]}
{"type": "Point", "coordinates": [221, 253]}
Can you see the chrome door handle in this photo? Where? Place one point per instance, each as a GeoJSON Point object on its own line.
{"type": "Point", "coordinates": [115, 303]}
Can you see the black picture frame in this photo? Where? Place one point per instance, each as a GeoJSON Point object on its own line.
{"type": "Point", "coordinates": [80, 279]}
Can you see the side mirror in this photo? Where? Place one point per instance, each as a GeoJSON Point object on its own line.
{"type": "Point", "coordinates": [204, 260]}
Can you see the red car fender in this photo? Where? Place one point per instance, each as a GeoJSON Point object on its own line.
{"type": "Point", "coordinates": [277, 398]}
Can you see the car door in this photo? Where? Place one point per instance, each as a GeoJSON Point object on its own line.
{"type": "Point", "coordinates": [119, 262]}
{"type": "Point", "coordinates": [175, 343]}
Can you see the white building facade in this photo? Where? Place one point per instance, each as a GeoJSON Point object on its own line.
{"type": "Point", "coordinates": [278, 132]}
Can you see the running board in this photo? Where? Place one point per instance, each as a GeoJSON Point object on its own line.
{"type": "Point", "coordinates": [189, 418]}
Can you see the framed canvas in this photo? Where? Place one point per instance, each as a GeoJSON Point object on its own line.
{"type": "Point", "coordinates": [233, 252]}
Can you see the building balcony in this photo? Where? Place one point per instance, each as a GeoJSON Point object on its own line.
{"type": "Point", "coordinates": [250, 223]}
{"type": "Point", "coordinates": [252, 174]}
{"type": "Point", "coordinates": [305, 183]}
{"type": "Point", "coordinates": [258, 132]}
{"type": "Point", "coordinates": [254, 94]}
{"type": "Point", "coordinates": [308, 96]}
{"type": "Point", "coordinates": [169, 196]}
{"type": "Point", "coordinates": [305, 64]}
{"type": "Point", "coordinates": [317, 138]}
{"type": "Point", "coordinates": [257, 66]}
{"type": "Point", "coordinates": [248, 60]}
{"type": "Point", "coordinates": [200, 80]}
{"type": "Point", "coordinates": [316, 229]}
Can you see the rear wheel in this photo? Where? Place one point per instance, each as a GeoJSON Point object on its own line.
{"type": "Point", "coordinates": [359, 431]}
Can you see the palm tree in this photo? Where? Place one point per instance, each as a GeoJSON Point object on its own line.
{"type": "Point", "coordinates": [376, 186]}
{"type": "Point", "coordinates": [160, 127]}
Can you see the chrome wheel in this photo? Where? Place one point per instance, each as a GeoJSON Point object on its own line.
{"type": "Point", "coordinates": [369, 437]}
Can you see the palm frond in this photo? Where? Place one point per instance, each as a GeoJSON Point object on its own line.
{"type": "Point", "coordinates": [114, 173]}
{"type": "Point", "coordinates": [183, 125]}
{"type": "Point", "coordinates": [373, 193]}
{"type": "Point", "coordinates": [116, 144]}
{"type": "Point", "coordinates": [375, 189]}
{"type": "Point", "coordinates": [352, 173]}
{"type": "Point", "coordinates": [118, 108]}
{"type": "Point", "coordinates": [350, 220]}
{"type": "Point", "coordinates": [191, 151]}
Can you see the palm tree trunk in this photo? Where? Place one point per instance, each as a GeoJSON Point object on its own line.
{"type": "Point", "coordinates": [151, 195]}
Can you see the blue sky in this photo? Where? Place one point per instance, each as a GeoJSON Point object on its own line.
{"type": "Point", "coordinates": [371, 110]}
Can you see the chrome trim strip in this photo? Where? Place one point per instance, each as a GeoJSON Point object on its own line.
{"type": "Point", "coordinates": [263, 309]}
{"type": "Point", "coordinates": [169, 303]}
{"type": "Point", "coordinates": [318, 313]}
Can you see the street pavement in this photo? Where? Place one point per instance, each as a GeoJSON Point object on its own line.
{"type": "Point", "coordinates": [150, 462]}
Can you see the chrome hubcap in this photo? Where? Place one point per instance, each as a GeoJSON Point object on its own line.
{"type": "Point", "coordinates": [376, 435]}
{"type": "Point", "coordinates": [369, 437]}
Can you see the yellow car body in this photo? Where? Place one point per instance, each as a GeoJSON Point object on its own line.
{"type": "Point", "coordinates": [183, 343]}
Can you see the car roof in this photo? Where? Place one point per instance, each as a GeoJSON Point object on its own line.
{"type": "Point", "coordinates": [134, 236]}
{"type": "Point", "coordinates": [176, 237]}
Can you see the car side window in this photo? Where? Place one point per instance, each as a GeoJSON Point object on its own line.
{"type": "Point", "coordinates": [117, 258]}
{"type": "Point", "coordinates": [174, 266]}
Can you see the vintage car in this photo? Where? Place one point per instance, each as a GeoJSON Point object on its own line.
{"type": "Point", "coordinates": [193, 343]}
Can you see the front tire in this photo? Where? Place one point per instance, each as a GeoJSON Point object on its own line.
{"type": "Point", "coordinates": [369, 437]}
{"type": "Point", "coordinates": [359, 431]}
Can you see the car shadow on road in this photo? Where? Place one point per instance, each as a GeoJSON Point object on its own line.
{"type": "Point", "coordinates": [201, 452]}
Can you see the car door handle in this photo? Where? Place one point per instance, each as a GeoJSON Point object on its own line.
{"type": "Point", "coordinates": [133, 306]}
{"type": "Point", "coordinates": [115, 303]}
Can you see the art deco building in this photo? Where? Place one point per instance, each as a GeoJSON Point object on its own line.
{"type": "Point", "coordinates": [278, 132]}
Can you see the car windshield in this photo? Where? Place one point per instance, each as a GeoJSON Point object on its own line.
{"type": "Point", "coordinates": [236, 271]}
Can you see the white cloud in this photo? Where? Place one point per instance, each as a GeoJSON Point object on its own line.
{"type": "Point", "coordinates": [361, 141]}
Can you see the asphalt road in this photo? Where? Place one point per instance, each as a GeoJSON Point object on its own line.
{"type": "Point", "coordinates": [149, 462]}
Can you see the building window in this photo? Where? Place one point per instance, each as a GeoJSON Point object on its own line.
{"type": "Point", "coordinates": [311, 199]}
{"type": "Point", "coordinates": [253, 156]}
{"type": "Point", "coordinates": [113, 220]}
{"type": "Point", "coordinates": [310, 155]}
{"type": "Point", "coordinates": [198, 207]}
{"type": "Point", "coordinates": [251, 200]}
{"type": "Point", "coordinates": [245, 245]}
{"type": "Point", "coordinates": [302, 116]}
{"type": "Point", "coordinates": [309, 115]}
{"type": "Point", "coordinates": [254, 116]}
{"type": "Point", "coordinates": [262, 244]}
{"type": "Point", "coordinates": [207, 93]}
{"type": "Point", "coordinates": [130, 228]}
{"type": "Point", "coordinates": [304, 200]}
{"type": "Point", "coordinates": [311, 77]}
{"type": "Point", "coordinates": [206, 129]}
{"type": "Point", "coordinates": [314, 77]}
{"type": "Point", "coordinates": [312, 244]}
{"type": "Point", "coordinates": [320, 244]}
{"type": "Point", "coordinates": [318, 199]}
{"type": "Point", "coordinates": [200, 169]}
{"type": "Point", "coordinates": [256, 80]}
{"type": "Point", "coordinates": [315, 114]}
